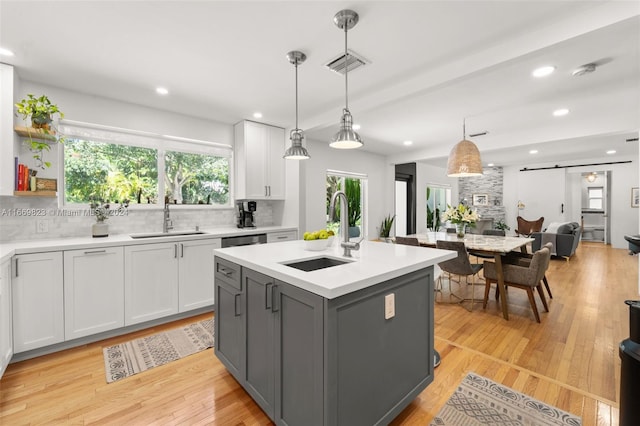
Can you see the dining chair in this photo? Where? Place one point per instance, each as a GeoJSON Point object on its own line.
{"type": "Point", "coordinates": [524, 277]}
{"type": "Point", "coordinates": [408, 241]}
{"type": "Point", "coordinates": [524, 259]}
{"type": "Point", "coordinates": [460, 266]}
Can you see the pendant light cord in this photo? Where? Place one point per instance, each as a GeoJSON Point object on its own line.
{"type": "Point", "coordinates": [346, 70]}
{"type": "Point", "coordinates": [296, 94]}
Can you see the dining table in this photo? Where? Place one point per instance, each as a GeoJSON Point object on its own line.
{"type": "Point", "coordinates": [495, 245]}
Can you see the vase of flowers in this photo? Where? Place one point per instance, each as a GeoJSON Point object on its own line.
{"type": "Point", "coordinates": [102, 211]}
{"type": "Point", "coordinates": [461, 216]}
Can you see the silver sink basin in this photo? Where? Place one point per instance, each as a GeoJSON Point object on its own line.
{"type": "Point", "coordinates": [166, 234]}
{"type": "Point", "coordinates": [314, 264]}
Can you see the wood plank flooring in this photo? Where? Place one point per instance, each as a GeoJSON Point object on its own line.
{"type": "Point", "coordinates": [570, 360]}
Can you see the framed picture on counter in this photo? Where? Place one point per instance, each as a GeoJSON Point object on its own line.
{"type": "Point", "coordinates": [480, 200]}
{"type": "Point", "coordinates": [635, 197]}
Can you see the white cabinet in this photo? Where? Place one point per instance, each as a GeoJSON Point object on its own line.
{"type": "Point", "coordinates": [276, 237]}
{"type": "Point", "coordinates": [93, 291]}
{"type": "Point", "coordinates": [6, 324]}
{"type": "Point", "coordinates": [37, 294]}
{"type": "Point", "coordinates": [260, 168]}
{"type": "Point", "coordinates": [196, 271]}
{"type": "Point", "coordinates": [150, 282]}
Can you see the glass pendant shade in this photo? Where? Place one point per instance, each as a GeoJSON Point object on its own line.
{"type": "Point", "coordinates": [464, 160]}
{"type": "Point", "coordinates": [296, 151]}
{"type": "Point", "coordinates": [346, 138]}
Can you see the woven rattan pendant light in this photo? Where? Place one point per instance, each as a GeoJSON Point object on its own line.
{"type": "Point", "coordinates": [464, 159]}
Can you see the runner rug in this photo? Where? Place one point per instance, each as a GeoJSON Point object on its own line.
{"type": "Point", "coordinates": [135, 356]}
{"type": "Point", "coordinates": [480, 401]}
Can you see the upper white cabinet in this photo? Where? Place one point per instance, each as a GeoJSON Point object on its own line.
{"type": "Point", "coordinates": [6, 324]}
{"type": "Point", "coordinates": [93, 291]}
{"type": "Point", "coordinates": [38, 302]}
{"type": "Point", "coordinates": [259, 165]}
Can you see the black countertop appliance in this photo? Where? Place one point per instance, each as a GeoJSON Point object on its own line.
{"type": "Point", "coordinates": [630, 369]}
{"type": "Point", "coordinates": [245, 214]}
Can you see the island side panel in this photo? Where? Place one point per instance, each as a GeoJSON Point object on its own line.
{"type": "Point", "coordinates": [376, 366]}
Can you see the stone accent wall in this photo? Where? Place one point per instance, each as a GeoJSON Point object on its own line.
{"type": "Point", "coordinates": [490, 184]}
{"type": "Point", "coordinates": [19, 215]}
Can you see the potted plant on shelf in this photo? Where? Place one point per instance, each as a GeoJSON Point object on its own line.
{"type": "Point", "coordinates": [40, 110]}
{"type": "Point", "coordinates": [385, 227]}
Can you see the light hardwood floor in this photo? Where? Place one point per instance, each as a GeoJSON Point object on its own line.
{"type": "Point", "coordinates": [570, 360]}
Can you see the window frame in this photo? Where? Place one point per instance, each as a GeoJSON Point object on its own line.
{"type": "Point", "coordinates": [364, 194]}
{"type": "Point", "coordinates": [161, 143]}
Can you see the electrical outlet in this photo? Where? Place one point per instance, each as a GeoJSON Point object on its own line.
{"type": "Point", "coordinates": [42, 226]}
{"type": "Point", "coordinates": [389, 306]}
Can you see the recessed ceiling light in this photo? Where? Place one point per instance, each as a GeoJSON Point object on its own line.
{"type": "Point", "coordinates": [490, 165]}
{"type": "Point", "coordinates": [356, 127]}
{"type": "Point", "coordinates": [543, 71]}
{"type": "Point", "coordinates": [5, 52]}
{"type": "Point", "coordinates": [560, 112]}
{"type": "Point", "coordinates": [533, 151]}
{"type": "Point", "coordinates": [611, 151]}
{"type": "Point", "coordinates": [407, 143]}
{"type": "Point", "coordinates": [162, 91]}
{"type": "Point", "coordinates": [257, 115]}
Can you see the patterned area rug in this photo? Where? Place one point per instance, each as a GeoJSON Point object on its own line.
{"type": "Point", "coordinates": [135, 356]}
{"type": "Point", "coordinates": [480, 401]}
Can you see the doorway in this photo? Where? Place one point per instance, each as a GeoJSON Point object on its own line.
{"type": "Point", "coordinates": [595, 206]}
{"type": "Point", "coordinates": [405, 199]}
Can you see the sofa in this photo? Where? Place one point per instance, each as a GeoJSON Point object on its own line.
{"type": "Point", "coordinates": [565, 237]}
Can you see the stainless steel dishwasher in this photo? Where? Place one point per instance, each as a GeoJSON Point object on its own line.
{"type": "Point", "coordinates": [244, 240]}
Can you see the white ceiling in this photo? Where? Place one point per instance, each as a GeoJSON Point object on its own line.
{"type": "Point", "coordinates": [433, 63]}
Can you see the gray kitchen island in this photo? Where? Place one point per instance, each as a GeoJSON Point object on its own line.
{"type": "Point", "coordinates": [317, 338]}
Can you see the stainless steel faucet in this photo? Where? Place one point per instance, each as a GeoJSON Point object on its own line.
{"type": "Point", "coordinates": [167, 224]}
{"type": "Point", "coordinates": [344, 222]}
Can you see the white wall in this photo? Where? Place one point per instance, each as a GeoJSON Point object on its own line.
{"type": "Point", "coordinates": [313, 173]}
{"type": "Point", "coordinates": [624, 218]}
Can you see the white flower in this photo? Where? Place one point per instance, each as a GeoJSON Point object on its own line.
{"type": "Point", "coordinates": [460, 214]}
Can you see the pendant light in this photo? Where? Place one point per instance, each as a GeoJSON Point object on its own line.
{"type": "Point", "coordinates": [296, 151]}
{"type": "Point", "coordinates": [464, 159]}
{"type": "Point", "coordinates": [346, 138]}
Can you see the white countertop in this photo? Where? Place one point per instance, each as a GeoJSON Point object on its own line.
{"type": "Point", "coordinates": [8, 249]}
{"type": "Point", "coordinates": [374, 263]}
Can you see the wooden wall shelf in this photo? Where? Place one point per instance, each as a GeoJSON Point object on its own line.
{"type": "Point", "coordinates": [31, 132]}
{"type": "Point", "coordinates": [35, 193]}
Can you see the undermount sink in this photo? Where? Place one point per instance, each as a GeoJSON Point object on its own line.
{"type": "Point", "coordinates": [314, 264]}
{"type": "Point", "coordinates": [166, 234]}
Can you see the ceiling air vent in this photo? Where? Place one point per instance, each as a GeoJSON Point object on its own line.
{"type": "Point", "coordinates": [355, 61]}
{"type": "Point", "coordinates": [632, 140]}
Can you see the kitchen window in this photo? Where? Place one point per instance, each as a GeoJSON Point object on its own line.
{"type": "Point", "coordinates": [354, 186]}
{"type": "Point", "coordinates": [114, 165]}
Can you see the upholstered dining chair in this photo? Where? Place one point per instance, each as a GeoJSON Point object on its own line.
{"type": "Point", "coordinates": [524, 277]}
{"type": "Point", "coordinates": [524, 259]}
{"type": "Point", "coordinates": [528, 227]}
{"type": "Point", "coordinates": [460, 266]}
{"type": "Point", "coordinates": [408, 241]}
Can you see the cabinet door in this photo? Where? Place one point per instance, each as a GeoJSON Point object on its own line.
{"type": "Point", "coordinates": [150, 282]}
{"type": "Point", "coordinates": [6, 323]}
{"type": "Point", "coordinates": [230, 329]}
{"type": "Point", "coordinates": [276, 164]}
{"type": "Point", "coordinates": [299, 356]}
{"type": "Point", "coordinates": [256, 155]}
{"type": "Point", "coordinates": [275, 237]}
{"type": "Point", "coordinates": [37, 293]}
{"type": "Point", "coordinates": [196, 274]}
{"type": "Point", "coordinates": [93, 291]}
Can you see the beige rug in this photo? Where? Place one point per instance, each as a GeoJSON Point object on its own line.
{"type": "Point", "coordinates": [480, 401]}
{"type": "Point", "coordinates": [135, 356]}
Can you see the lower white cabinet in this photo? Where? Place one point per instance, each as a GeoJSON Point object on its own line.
{"type": "Point", "coordinates": [93, 291]}
{"type": "Point", "coordinates": [38, 302]}
{"type": "Point", "coordinates": [276, 237]}
{"type": "Point", "coordinates": [6, 323]}
{"type": "Point", "coordinates": [196, 271]}
{"type": "Point", "coordinates": [150, 282]}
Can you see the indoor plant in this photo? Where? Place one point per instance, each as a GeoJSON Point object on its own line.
{"type": "Point", "coordinates": [502, 225]}
{"type": "Point", "coordinates": [385, 227]}
{"type": "Point", "coordinates": [462, 216]}
{"type": "Point", "coordinates": [352, 191]}
{"type": "Point", "coordinates": [102, 211]}
{"type": "Point", "coordinates": [40, 110]}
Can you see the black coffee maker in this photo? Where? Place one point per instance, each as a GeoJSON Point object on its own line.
{"type": "Point", "coordinates": [246, 218]}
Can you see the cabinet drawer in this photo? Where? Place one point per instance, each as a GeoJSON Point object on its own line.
{"type": "Point", "coordinates": [274, 237]}
{"type": "Point", "coordinates": [228, 272]}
